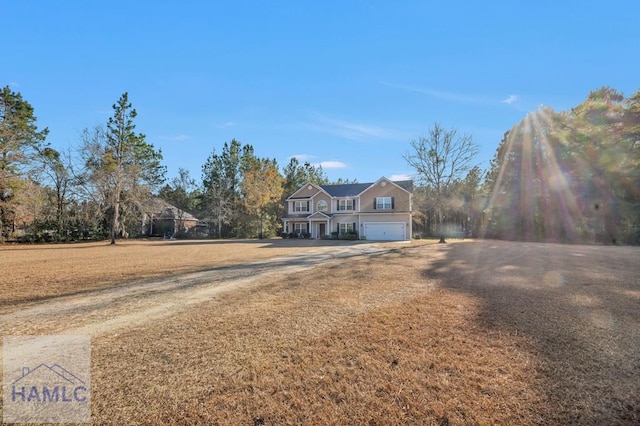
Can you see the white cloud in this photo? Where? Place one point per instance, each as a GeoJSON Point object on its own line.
{"type": "Point", "coordinates": [332, 165]}
{"type": "Point", "coordinates": [302, 157]}
{"type": "Point", "coordinates": [451, 96]}
{"type": "Point", "coordinates": [350, 130]}
{"type": "Point", "coordinates": [225, 124]}
{"type": "Point", "coordinates": [439, 94]}
{"type": "Point", "coordinates": [401, 177]}
{"type": "Point", "coordinates": [511, 99]}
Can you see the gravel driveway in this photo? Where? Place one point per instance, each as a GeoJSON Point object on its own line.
{"type": "Point", "coordinates": [106, 310]}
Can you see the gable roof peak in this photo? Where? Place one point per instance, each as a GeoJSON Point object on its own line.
{"type": "Point", "coordinates": [350, 189]}
{"type": "Point", "coordinates": [307, 185]}
{"type": "Point", "coordinates": [406, 185]}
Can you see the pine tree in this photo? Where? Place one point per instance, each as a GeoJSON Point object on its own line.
{"type": "Point", "coordinates": [121, 165]}
{"type": "Point", "coordinates": [20, 144]}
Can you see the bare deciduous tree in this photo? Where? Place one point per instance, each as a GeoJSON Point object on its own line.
{"type": "Point", "coordinates": [440, 159]}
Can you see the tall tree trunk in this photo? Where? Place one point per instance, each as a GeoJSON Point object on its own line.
{"type": "Point", "coordinates": [219, 220]}
{"type": "Point", "coordinates": [114, 224]}
{"type": "Point", "coordinates": [440, 217]}
{"type": "Point", "coordinates": [442, 240]}
{"type": "Point", "coordinates": [1, 226]}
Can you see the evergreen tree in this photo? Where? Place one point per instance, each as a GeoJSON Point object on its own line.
{"type": "Point", "coordinates": [569, 176]}
{"type": "Point", "coordinates": [221, 181]}
{"type": "Point", "coordinates": [121, 165]}
{"type": "Point", "coordinates": [296, 175]}
{"type": "Point", "coordinates": [20, 144]}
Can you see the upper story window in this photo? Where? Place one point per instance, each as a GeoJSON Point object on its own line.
{"type": "Point", "coordinates": [346, 204]}
{"type": "Point", "coordinates": [300, 206]}
{"type": "Point", "coordinates": [322, 206]}
{"type": "Point", "coordinates": [384, 203]}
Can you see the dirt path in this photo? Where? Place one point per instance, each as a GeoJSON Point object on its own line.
{"type": "Point", "coordinates": [126, 306]}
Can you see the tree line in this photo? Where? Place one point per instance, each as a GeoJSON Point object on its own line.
{"type": "Point", "coordinates": [102, 188]}
{"type": "Point", "coordinates": [570, 176]}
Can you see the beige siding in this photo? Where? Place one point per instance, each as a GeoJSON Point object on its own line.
{"type": "Point", "coordinates": [401, 198]}
{"type": "Point", "coordinates": [302, 195]}
{"type": "Point", "coordinates": [305, 192]}
{"type": "Point", "coordinates": [321, 196]}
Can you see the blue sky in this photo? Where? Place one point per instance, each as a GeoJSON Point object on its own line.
{"type": "Point", "coordinates": [345, 84]}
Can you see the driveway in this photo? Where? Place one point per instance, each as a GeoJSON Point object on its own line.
{"type": "Point", "coordinates": [137, 303]}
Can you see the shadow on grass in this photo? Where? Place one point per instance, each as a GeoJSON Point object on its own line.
{"type": "Point", "coordinates": [74, 245]}
{"type": "Point", "coordinates": [578, 306]}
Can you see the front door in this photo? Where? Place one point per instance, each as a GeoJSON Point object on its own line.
{"type": "Point", "coordinates": [322, 230]}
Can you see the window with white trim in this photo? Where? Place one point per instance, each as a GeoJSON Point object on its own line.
{"type": "Point", "coordinates": [322, 206]}
{"type": "Point", "coordinates": [345, 228]}
{"type": "Point", "coordinates": [299, 228]}
{"type": "Point", "coordinates": [348, 204]}
{"type": "Point", "coordinates": [300, 206]}
{"type": "Point", "coordinates": [384, 203]}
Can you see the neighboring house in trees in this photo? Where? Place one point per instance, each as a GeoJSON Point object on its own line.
{"type": "Point", "coordinates": [373, 211]}
{"type": "Point", "coordinates": [168, 220]}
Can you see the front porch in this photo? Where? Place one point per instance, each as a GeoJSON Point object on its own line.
{"type": "Point", "coordinates": [316, 228]}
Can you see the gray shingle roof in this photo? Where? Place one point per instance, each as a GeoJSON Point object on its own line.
{"type": "Point", "coordinates": [348, 190]}
{"type": "Point", "coordinates": [405, 184]}
{"type": "Point", "coordinates": [353, 189]}
{"type": "Point", "coordinates": [163, 210]}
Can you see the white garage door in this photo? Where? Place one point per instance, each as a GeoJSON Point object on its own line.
{"type": "Point", "coordinates": [391, 231]}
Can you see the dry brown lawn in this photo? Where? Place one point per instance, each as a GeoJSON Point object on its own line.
{"type": "Point", "coordinates": [35, 272]}
{"type": "Point", "coordinates": [464, 333]}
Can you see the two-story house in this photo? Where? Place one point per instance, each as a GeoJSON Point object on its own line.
{"type": "Point", "coordinates": [375, 211]}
